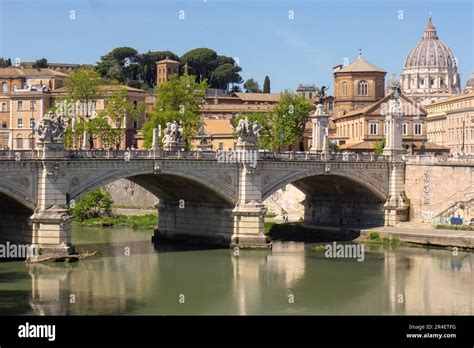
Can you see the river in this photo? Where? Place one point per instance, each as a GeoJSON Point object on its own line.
{"type": "Point", "coordinates": [132, 276]}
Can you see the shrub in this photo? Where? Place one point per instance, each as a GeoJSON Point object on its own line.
{"type": "Point", "coordinates": [96, 204]}
{"type": "Point", "coordinates": [374, 235]}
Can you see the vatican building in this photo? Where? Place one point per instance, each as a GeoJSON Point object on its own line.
{"type": "Point", "coordinates": [430, 70]}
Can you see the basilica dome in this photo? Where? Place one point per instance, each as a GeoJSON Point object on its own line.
{"type": "Point", "coordinates": [430, 51]}
{"type": "Point", "coordinates": [430, 70]}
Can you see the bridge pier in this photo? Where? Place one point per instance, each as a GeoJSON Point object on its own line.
{"type": "Point", "coordinates": [51, 221]}
{"type": "Point", "coordinates": [199, 222]}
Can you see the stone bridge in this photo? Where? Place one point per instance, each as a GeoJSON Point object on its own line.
{"type": "Point", "coordinates": [204, 196]}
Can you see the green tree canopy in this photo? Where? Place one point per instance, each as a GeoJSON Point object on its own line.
{"type": "Point", "coordinates": [266, 85]}
{"type": "Point", "coordinates": [288, 118]}
{"type": "Point", "coordinates": [226, 74]}
{"type": "Point", "coordinates": [41, 63]}
{"type": "Point", "coordinates": [251, 86]}
{"type": "Point", "coordinates": [117, 107]}
{"type": "Point", "coordinates": [201, 61]}
{"type": "Point", "coordinates": [179, 100]}
{"type": "Point", "coordinates": [5, 62]}
{"type": "Point", "coordinates": [83, 86]}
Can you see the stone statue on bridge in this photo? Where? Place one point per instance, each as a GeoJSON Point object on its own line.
{"type": "Point", "coordinates": [51, 129]}
{"type": "Point", "coordinates": [248, 133]}
{"type": "Point", "coordinates": [395, 87]}
{"type": "Point", "coordinates": [173, 137]}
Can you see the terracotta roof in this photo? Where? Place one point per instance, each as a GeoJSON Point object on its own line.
{"type": "Point", "coordinates": [206, 108]}
{"type": "Point", "coordinates": [364, 145]}
{"type": "Point", "coordinates": [367, 108]}
{"type": "Point", "coordinates": [360, 65]}
{"type": "Point", "coordinates": [12, 72]}
{"type": "Point", "coordinates": [167, 60]}
{"type": "Point", "coordinates": [106, 88]}
{"type": "Point", "coordinates": [263, 97]}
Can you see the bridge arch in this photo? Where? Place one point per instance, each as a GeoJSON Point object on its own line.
{"type": "Point", "coordinates": [166, 185]}
{"type": "Point", "coordinates": [17, 193]}
{"type": "Point", "coordinates": [302, 179]}
{"type": "Point", "coordinates": [338, 197]}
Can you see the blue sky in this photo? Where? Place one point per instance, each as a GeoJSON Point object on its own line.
{"type": "Point", "coordinates": [260, 33]}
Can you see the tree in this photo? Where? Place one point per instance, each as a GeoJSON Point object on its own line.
{"type": "Point", "coordinates": [120, 64]}
{"type": "Point", "coordinates": [98, 203]}
{"type": "Point", "coordinates": [201, 61]}
{"type": "Point", "coordinates": [99, 128]}
{"type": "Point", "coordinates": [179, 100]}
{"type": "Point", "coordinates": [378, 147]}
{"type": "Point", "coordinates": [41, 63]}
{"type": "Point", "coordinates": [226, 74]}
{"type": "Point", "coordinates": [266, 85]}
{"type": "Point", "coordinates": [117, 112]}
{"type": "Point", "coordinates": [5, 62]}
{"type": "Point", "coordinates": [147, 64]}
{"type": "Point", "coordinates": [285, 124]}
{"type": "Point", "coordinates": [251, 86]}
{"type": "Point", "coordinates": [83, 86]}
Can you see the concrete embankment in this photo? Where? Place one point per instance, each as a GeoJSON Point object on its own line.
{"type": "Point", "coordinates": [433, 237]}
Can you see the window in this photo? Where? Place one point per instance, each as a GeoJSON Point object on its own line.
{"type": "Point", "coordinates": [373, 129]}
{"type": "Point", "coordinates": [344, 89]}
{"type": "Point", "coordinates": [221, 146]}
{"type": "Point", "coordinates": [379, 89]}
{"type": "Point", "coordinates": [19, 142]}
{"type": "Point", "coordinates": [32, 123]}
{"type": "Point", "coordinates": [20, 106]}
{"type": "Point", "coordinates": [310, 95]}
{"type": "Point", "coordinates": [20, 123]}
{"type": "Point", "coordinates": [432, 82]}
{"type": "Point", "coordinates": [405, 129]}
{"type": "Point", "coordinates": [418, 128]}
{"type": "Point", "coordinates": [385, 128]}
{"type": "Point", "coordinates": [363, 88]}
{"type": "Point", "coordinates": [135, 125]}
{"type": "Point", "coordinates": [4, 107]}
{"type": "Point", "coordinates": [4, 87]}
{"type": "Point", "coordinates": [135, 103]}
{"type": "Point", "coordinates": [32, 105]}
{"type": "Point", "coordinates": [15, 87]}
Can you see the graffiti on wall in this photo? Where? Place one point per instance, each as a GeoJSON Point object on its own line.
{"type": "Point", "coordinates": [426, 187]}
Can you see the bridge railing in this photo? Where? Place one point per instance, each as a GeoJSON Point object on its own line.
{"type": "Point", "coordinates": [146, 154]}
{"type": "Point", "coordinates": [18, 154]}
{"type": "Point", "coordinates": [311, 156]}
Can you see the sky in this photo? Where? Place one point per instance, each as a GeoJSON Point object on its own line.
{"type": "Point", "coordinates": [292, 41]}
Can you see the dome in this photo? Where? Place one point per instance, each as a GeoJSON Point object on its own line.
{"type": "Point", "coordinates": [430, 51]}
{"type": "Point", "coordinates": [470, 82]}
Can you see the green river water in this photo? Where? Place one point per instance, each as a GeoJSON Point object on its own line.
{"type": "Point", "coordinates": [131, 276]}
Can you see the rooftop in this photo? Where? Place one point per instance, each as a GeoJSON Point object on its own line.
{"type": "Point", "coordinates": [15, 72]}
{"type": "Point", "coordinates": [360, 65]}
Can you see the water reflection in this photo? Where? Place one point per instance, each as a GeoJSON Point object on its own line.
{"type": "Point", "coordinates": [152, 280]}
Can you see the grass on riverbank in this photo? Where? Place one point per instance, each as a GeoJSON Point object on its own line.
{"type": "Point", "coordinates": [374, 238]}
{"type": "Point", "coordinates": [455, 227]}
{"type": "Point", "coordinates": [148, 221]}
